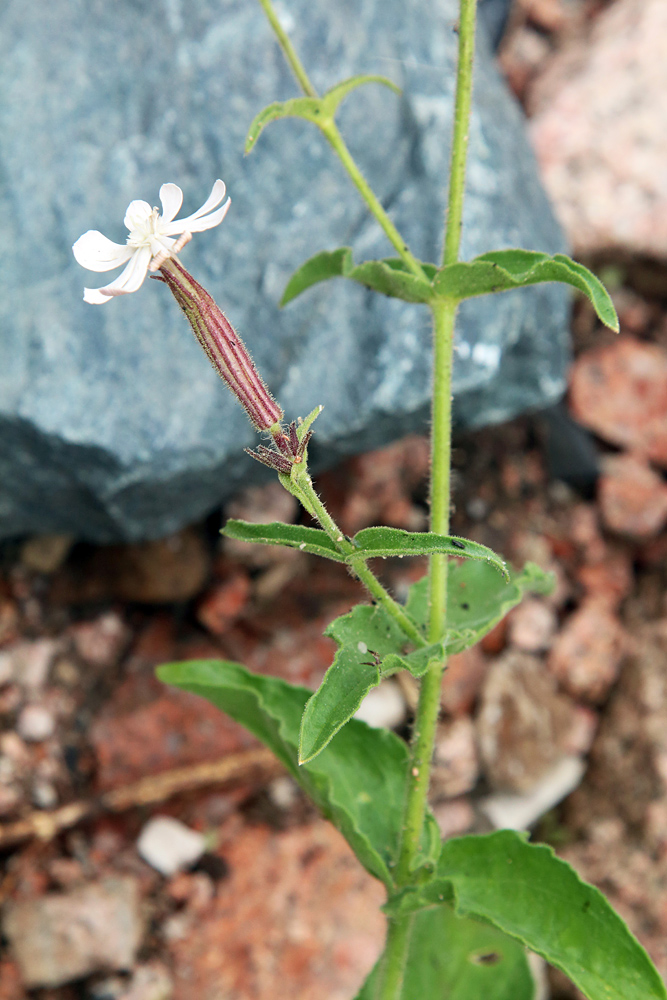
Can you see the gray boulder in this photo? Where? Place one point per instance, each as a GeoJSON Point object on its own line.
{"type": "Point", "coordinates": [112, 424]}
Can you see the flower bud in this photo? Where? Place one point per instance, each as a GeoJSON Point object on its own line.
{"type": "Point", "coordinates": [225, 349]}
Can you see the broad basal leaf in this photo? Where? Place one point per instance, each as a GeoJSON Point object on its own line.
{"type": "Point", "coordinates": [478, 598]}
{"type": "Point", "coordinates": [502, 270]}
{"type": "Point", "coordinates": [527, 892]}
{"type": "Point", "coordinates": [359, 770]}
{"type": "Point", "coordinates": [295, 536]}
{"type": "Point", "coordinates": [458, 958]}
{"type": "Point", "coordinates": [365, 635]}
{"type": "Point", "coordinates": [373, 542]}
{"type": "Point", "coordinates": [386, 276]}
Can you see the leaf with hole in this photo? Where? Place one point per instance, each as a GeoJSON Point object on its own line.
{"type": "Point", "coordinates": [502, 270]}
{"type": "Point", "coordinates": [386, 542]}
{"type": "Point", "coordinates": [527, 892]}
{"type": "Point", "coordinates": [477, 599]}
{"type": "Point", "coordinates": [461, 959]}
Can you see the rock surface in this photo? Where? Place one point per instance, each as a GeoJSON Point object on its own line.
{"type": "Point", "coordinates": [61, 937]}
{"type": "Point", "coordinates": [112, 425]}
{"type": "Point", "coordinates": [600, 131]}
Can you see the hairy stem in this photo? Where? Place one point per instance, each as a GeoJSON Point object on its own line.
{"type": "Point", "coordinates": [288, 49]}
{"type": "Point", "coordinates": [329, 128]}
{"type": "Point", "coordinates": [316, 508]}
{"type": "Point", "coordinates": [444, 314]}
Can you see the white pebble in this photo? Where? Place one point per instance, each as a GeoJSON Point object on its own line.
{"type": "Point", "coordinates": [35, 724]}
{"type": "Point", "coordinates": [169, 846]}
{"type": "Point", "coordinates": [383, 707]}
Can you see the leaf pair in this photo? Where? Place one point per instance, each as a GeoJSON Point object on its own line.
{"type": "Point", "coordinates": [498, 271]}
{"type": "Point", "coordinates": [369, 543]}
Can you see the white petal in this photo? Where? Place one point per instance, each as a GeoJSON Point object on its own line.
{"type": "Point", "coordinates": [138, 212]}
{"type": "Point", "coordinates": [130, 280]}
{"type": "Point", "coordinates": [171, 197]}
{"type": "Point", "coordinates": [96, 253]}
{"type": "Point", "coordinates": [208, 221]}
{"type": "Point", "coordinates": [182, 225]}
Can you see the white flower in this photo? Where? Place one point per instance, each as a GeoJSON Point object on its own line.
{"type": "Point", "coordinates": [150, 234]}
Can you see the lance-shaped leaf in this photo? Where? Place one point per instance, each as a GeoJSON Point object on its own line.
{"type": "Point", "coordinates": [387, 276]}
{"type": "Point", "coordinates": [295, 536]}
{"type": "Point", "coordinates": [361, 769]}
{"type": "Point", "coordinates": [304, 425]}
{"type": "Point", "coordinates": [461, 959]}
{"type": "Point", "coordinates": [532, 895]}
{"type": "Point", "coordinates": [477, 599]}
{"type": "Point", "coordinates": [502, 270]}
{"type": "Point", "coordinates": [365, 635]}
{"type": "Point", "coordinates": [313, 109]}
{"type": "Point", "coordinates": [384, 542]}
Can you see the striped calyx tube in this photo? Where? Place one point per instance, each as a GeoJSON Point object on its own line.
{"type": "Point", "coordinates": [225, 349]}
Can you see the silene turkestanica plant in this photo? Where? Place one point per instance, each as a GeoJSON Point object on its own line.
{"type": "Point", "coordinates": [462, 916]}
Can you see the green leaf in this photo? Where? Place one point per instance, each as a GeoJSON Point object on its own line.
{"type": "Point", "coordinates": [416, 662]}
{"type": "Point", "coordinates": [386, 276]}
{"type": "Point", "coordinates": [309, 108]}
{"type": "Point", "coordinates": [360, 769]}
{"type": "Point", "coordinates": [373, 542]}
{"type": "Point", "coordinates": [461, 959]}
{"type": "Point", "coordinates": [529, 893]}
{"type": "Point", "coordinates": [305, 425]}
{"type": "Point", "coordinates": [335, 95]}
{"type": "Point", "coordinates": [502, 270]}
{"type": "Point", "coordinates": [364, 636]}
{"type": "Point", "coordinates": [319, 110]}
{"type": "Point", "coordinates": [478, 598]}
{"type": "Point", "coordinates": [295, 536]}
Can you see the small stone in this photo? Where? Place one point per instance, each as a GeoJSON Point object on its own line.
{"type": "Point", "coordinates": [519, 812]}
{"type": "Point", "coordinates": [462, 680]}
{"type": "Point", "coordinates": [587, 654]}
{"type": "Point", "coordinates": [101, 641]}
{"type": "Point", "coordinates": [283, 792]}
{"type": "Point", "coordinates": [35, 724]}
{"type": "Point", "coordinates": [454, 817]}
{"type": "Point", "coordinates": [61, 937]}
{"type": "Point", "coordinates": [619, 391]}
{"type": "Point", "coordinates": [151, 981]}
{"type": "Point", "coordinates": [10, 798]}
{"type": "Point", "coordinates": [609, 580]}
{"type": "Point", "coordinates": [455, 762]}
{"type": "Point", "coordinates": [44, 795]}
{"type": "Point", "coordinates": [383, 707]}
{"type": "Point", "coordinates": [224, 602]}
{"type": "Point", "coordinates": [46, 553]}
{"type": "Point", "coordinates": [532, 626]}
{"type": "Point", "coordinates": [600, 136]}
{"type": "Point", "coordinates": [169, 846]}
{"type": "Point", "coordinates": [28, 663]}
{"type": "Point", "coordinates": [632, 497]}
{"type": "Point", "coordinates": [523, 722]}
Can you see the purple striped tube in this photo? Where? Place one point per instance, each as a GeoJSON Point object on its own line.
{"type": "Point", "coordinates": [225, 349]}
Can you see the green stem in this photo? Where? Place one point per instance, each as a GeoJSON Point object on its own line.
{"type": "Point", "coordinates": [444, 315]}
{"type": "Point", "coordinates": [462, 106]}
{"type": "Point", "coordinates": [394, 959]}
{"type": "Point", "coordinates": [316, 508]}
{"type": "Point", "coordinates": [288, 49]}
{"type": "Point", "coordinates": [330, 130]}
